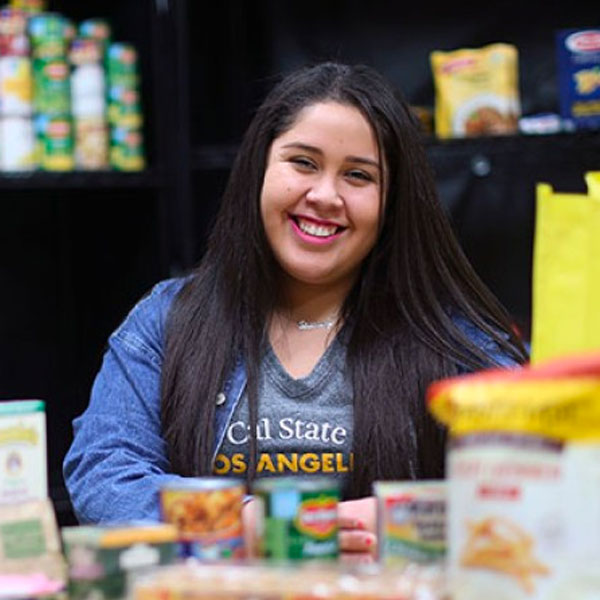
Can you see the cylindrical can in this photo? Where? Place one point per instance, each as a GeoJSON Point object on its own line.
{"type": "Point", "coordinates": [16, 86]}
{"type": "Point", "coordinates": [88, 85]}
{"type": "Point", "coordinates": [54, 135]}
{"type": "Point", "coordinates": [411, 521]}
{"type": "Point", "coordinates": [297, 518]}
{"type": "Point", "coordinates": [17, 144]}
{"type": "Point", "coordinates": [29, 6]}
{"type": "Point", "coordinates": [52, 86]}
{"type": "Point", "coordinates": [13, 33]}
{"type": "Point", "coordinates": [208, 514]}
{"type": "Point", "coordinates": [91, 143]}
{"type": "Point", "coordinates": [127, 149]}
{"type": "Point", "coordinates": [122, 65]}
{"type": "Point", "coordinates": [124, 108]}
{"type": "Point", "coordinates": [49, 35]}
{"type": "Point", "coordinates": [98, 30]}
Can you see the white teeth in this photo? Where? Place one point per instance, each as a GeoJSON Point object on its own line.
{"type": "Point", "coordinates": [316, 230]}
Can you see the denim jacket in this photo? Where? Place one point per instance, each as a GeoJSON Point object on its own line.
{"type": "Point", "coordinates": [118, 461]}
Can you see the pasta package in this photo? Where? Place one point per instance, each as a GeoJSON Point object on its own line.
{"type": "Point", "coordinates": [566, 271]}
{"type": "Point", "coordinates": [523, 471]}
{"type": "Point", "coordinates": [476, 91]}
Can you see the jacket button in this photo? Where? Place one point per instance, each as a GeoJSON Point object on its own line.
{"type": "Point", "coordinates": [221, 398]}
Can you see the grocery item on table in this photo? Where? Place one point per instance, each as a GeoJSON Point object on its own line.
{"type": "Point", "coordinates": [103, 560]}
{"type": "Point", "coordinates": [207, 512]}
{"type": "Point", "coordinates": [578, 60]}
{"type": "Point", "coordinates": [476, 91]}
{"type": "Point", "coordinates": [30, 543]}
{"type": "Point", "coordinates": [523, 480]}
{"type": "Point", "coordinates": [296, 518]}
{"type": "Point", "coordinates": [16, 86]}
{"type": "Point", "coordinates": [23, 454]}
{"type": "Point", "coordinates": [411, 521]}
{"type": "Point", "coordinates": [13, 33]}
{"type": "Point", "coordinates": [29, 6]}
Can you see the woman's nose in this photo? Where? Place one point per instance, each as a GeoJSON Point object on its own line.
{"type": "Point", "coordinates": [324, 190]}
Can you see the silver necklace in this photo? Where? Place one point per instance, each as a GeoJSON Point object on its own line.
{"type": "Point", "coordinates": [306, 325]}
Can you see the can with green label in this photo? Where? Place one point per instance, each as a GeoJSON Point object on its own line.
{"type": "Point", "coordinates": [54, 135]}
{"type": "Point", "coordinates": [297, 518]}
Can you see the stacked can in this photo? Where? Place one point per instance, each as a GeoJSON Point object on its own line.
{"type": "Point", "coordinates": [51, 35]}
{"type": "Point", "coordinates": [88, 104]}
{"type": "Point", "coordinates": [29, 6]}
{"type": "Point", "coordinates": [124, 108]}
{"type": "Point", "coordinates": [17, 140]}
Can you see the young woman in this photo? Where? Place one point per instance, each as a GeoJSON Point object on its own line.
{"type": "Point", "coordinates": [332, 292]}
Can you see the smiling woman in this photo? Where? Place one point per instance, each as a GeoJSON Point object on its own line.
{"type": "Point", "coordinates": [332, 293]}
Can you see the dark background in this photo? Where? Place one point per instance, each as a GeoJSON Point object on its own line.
{"type": "Point", "coordinates": [77, 250]}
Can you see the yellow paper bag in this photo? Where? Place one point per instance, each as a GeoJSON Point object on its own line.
{"type": "Point", "coordinates": [566, 271]}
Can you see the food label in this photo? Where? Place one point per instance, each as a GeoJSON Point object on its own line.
{"type": "Point", "coordinates": [297, 524]}
{"type": "Point", "coordinates": [411, 521]}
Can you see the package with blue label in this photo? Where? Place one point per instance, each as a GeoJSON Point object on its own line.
{"type": "Point", "coordinates": [578, 58]}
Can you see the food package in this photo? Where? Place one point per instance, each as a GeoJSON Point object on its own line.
{"type": "Point", "coordinates": [103, 561]}
{"type": "Point", "coordinates": [566, 271]}
{"type": "Point", "coordinates": [476, 91]}
{"type": "Point", "coordinates": [30, 542]}
{"type": "Point", "coordinates": [523, 470]}
{"type": "Point", "coordinates": [578, 59]}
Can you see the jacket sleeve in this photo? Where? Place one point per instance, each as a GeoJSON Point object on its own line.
{"type": "Point", "coordinates": [117, 462]}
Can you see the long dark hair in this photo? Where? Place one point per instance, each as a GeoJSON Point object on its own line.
{"type": "Point", "coordinates": [403, 309]}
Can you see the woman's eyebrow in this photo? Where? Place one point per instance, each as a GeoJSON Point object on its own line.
{"type": "Point", "coordinates": [353, 159]}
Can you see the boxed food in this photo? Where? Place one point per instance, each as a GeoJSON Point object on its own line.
{"type": "Point", "coordinates": [578, 58]}
{"type": "Point", "coordinates": [411, 521]}
{"type": "Point", "coordinates": [23, 475]}
{"type": "Point", "coordinates": [103, 560]}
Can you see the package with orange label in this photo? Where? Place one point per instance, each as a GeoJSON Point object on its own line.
{"type": "Point", "coordinates": [476, 91]}
{"type": "Point", "coordinates": [523, 470]}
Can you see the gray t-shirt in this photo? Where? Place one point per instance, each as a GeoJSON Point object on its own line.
{"type": "Point", "coordinates": [304, 425]}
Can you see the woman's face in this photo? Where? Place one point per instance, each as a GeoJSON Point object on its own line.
{"type": "Point", "coordinates": [320, 200]}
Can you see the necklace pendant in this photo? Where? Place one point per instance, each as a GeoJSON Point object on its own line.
{"type": "Point", "coordinates": [307, 325]}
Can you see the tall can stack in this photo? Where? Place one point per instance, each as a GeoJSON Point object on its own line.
{"type": "Point", "coordinates": [124, 108]}
{"type": "Point", "coordinates": [51, 35]}
{"type": "Point", "coordinates": [88, 99]}
{"type": "Point", "coordinates": [17, 142]}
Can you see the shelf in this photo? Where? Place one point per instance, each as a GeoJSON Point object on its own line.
{"type": "Point", "coordinates": [221, 156]}
{"type": "Point", "coordinates": [38, 180]}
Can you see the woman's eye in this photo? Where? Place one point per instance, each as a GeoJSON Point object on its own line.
{"type": "Point", "coordinates": [358, 175]}
{"type": "Point", "coordinates": [303, 162]}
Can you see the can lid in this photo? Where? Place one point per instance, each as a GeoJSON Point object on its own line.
{"type": "Point", "coordinates": [300, 483]}
{"type": "Point", "coordinates": [203, 483]}
{"type": "Point", "coordinates": [17, 407]}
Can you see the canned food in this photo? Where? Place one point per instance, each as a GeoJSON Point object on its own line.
{"type": "Point", "coordinates": [52, 86]}
{"type": "Point", "coordinates": [96, 29]}
{"type": "Point", "coordinates": [91, 143]}
{"type": "Point", "coordinates": [17, 144]}
{"type": "Point", "coordinates": [29, 6]}
{"type": "Point", "coordinates": [297, 518]}
{"type": "Point", "coordinates": [16, 86]}
{"type": "Point", "coordinates": [127, 149]}
{"type": "Point", "coordinates": [55, 142]}
{"type": "Point", "coordinates": [207, 512]}
{"type": "Point", "coordinates": [122, 65]}
{"type": "Point", "coordinates": [124, 108]}
{"type": "Point", "coordinates": [411, 518]}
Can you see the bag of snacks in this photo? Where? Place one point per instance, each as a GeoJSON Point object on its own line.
{"type": "Point", "coordinates": [523, 469]}
{"type": "Point", "coordinates": [476, 91]}
{"type": "Point", "coordinates": [566, 271]}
